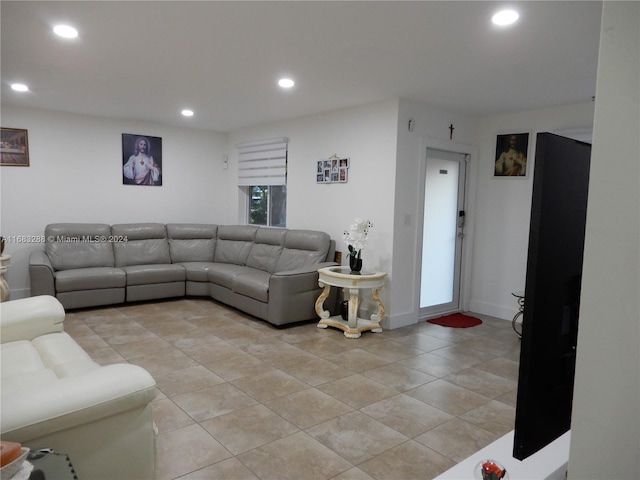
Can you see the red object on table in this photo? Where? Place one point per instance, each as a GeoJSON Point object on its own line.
{"type": "Point", "coordinates": [9, 451]}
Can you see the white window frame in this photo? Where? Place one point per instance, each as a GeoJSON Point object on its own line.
{"type": "Point", "coordinates": [260, 163]}
{"type": "Point", "coordinates": [246, 191]}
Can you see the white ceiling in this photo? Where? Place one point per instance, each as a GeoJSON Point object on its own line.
{"type": "Point", "coordinates": [147, 60]}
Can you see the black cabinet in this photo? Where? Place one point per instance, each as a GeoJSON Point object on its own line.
{"type": "Point", "coordinates": [552, 292]}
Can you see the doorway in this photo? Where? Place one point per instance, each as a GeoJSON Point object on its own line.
{"type": "Point", "coordinates": [442, 232]}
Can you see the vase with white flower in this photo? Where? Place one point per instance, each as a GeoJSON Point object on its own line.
{"type": "Point", "coordinates": [356, 240]}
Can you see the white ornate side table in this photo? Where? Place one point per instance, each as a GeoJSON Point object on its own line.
{"type": "Point", "coordinates": [353, 283]}
{"type": "Point", "coordinates": [4, 286]}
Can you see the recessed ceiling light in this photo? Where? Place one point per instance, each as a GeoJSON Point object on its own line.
{"type": "Point", "coordinates": [187, 113]}
{"type": "Point", "coordinates": [65, 31]}
{"type": "Point", "coordinates": [20, 87]}
{"type": "Point", "coordinates": [286, 83]}
{"type": "Point", "coordinates": [505, 17]}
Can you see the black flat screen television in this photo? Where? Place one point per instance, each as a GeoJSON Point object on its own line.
{"type": "Point", "coordinates": [552, 292]}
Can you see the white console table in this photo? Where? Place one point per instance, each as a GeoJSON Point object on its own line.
{"type": "Point", "coordinates": [342, 277]}
{"type": "Point", "coordinates": [550, 463]}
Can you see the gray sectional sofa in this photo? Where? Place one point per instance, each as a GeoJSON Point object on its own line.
{"type": "Point", "coordinates": [270, 273]}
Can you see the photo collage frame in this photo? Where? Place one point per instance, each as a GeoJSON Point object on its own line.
{"type": "Point", "coordinates": [333, 170]}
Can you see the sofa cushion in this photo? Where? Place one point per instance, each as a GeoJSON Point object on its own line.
{"type": "Point", "coordinates": [28, 318]}
{"type": "Point", "coordinates": [303, 248]}
{"type": "Point", "coordinates": [19, 358]}
{"type": "Point", "coordinates": [31, 380]}
{"type": "Point", "coordinates": [143, 244]}
{"type": "Point", "coordinates": [266, 249]}
{"type": "Point", "coordinates": [191, 242]}
{"type": "Point", "coordinates": [78, 245]}
{"type": "Point", "coordinates": [60, 353]}
{"type": "Point", "coordinates": [90, 279]}
{"type": "Point", "coordinates": [153, 274]}
{"type": "Point", "coordinates": [197, 271]}
{"type": "Point", "coordinates": [46, 359]}
{"type": "Point", "coordinates": [234, 243]}
{"type": "Point", "coordinates": [252, 283]}
{"type": "Point", "coordinates": [222, 273]}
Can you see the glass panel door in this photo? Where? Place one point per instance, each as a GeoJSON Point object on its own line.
{"type": "Point", "coordinates": [443, 232]}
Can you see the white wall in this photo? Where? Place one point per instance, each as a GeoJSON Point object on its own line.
{"type": "Point", "coordinates": [76, 171]}
{"type": "Point", "coordinates": [384, 182]}
{"type": "Point", "coordinates": [498, 209]}
{"type": "Point", "coordinates": [367, 135]}
{"type": "Point", "coordinates": [75, 175]}
{"type": "Point", "coordinates": [430, 128]}
{"type": "Point", "coordinates": [503, 207]}
{"type": "Point", "coordinates": [605, 425]}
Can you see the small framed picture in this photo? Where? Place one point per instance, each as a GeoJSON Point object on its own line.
{"type": "Point", "coordinates": [332, 170]}
{"type": "Point", "coordinates": [141, 160]}
{"type": "Point", "coordinates": [14, 147]}
{"type": "Point", "coordinates": [511, 155]}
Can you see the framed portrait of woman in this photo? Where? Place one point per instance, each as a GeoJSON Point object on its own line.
{"type": "Point", "coordinates": [141, 160]}
{"type": "Point", "coordinates": [14, 147]}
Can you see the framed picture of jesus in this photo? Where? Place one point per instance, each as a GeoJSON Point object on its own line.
{"type": "Point", "coordinates": [141, 160]}
{"type": "Point", "coordinates": [511, 155]}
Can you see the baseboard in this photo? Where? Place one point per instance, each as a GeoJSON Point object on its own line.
{"type": "Point", "coordinates": [397, 321]}
{"type": "Point", "coordinates": [498, 311]}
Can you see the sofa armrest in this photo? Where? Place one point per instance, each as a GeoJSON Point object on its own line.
{"type": "Point", "coordinates": [28, 318]}
{"type": "Point", "coordinates": [292, 294]}
{"type": "Point", "coordinates": [77, 400]}
{"type": "Point", "coordinates": [283, 284]}
{"type": "Point", "coordinates": [41, 274]}
{"type": "Point", "coordinates": [305, 270]}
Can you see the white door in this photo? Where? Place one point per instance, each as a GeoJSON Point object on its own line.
{"type": "Point", "coordinates": [442, 232]}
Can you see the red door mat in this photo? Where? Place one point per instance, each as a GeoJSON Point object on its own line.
{"type": "Point", "coordinates": [456, 320]}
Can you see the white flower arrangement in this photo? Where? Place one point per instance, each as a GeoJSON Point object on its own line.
{"type": "Point", "coordinates": [356, 236]}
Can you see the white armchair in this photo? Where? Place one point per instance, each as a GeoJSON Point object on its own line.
{"type": "Point", "coordinates": [55, 396]}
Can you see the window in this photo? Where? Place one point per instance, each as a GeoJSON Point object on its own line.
{"type": "Point", "coordinates": [262, 175]}
{"type": "Point", "coordinates": [268, 205]}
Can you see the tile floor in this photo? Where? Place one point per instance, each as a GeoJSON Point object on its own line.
{"type": "Point", "coordinates": [239, 399]}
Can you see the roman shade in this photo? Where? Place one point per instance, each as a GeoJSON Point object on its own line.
{"type": "Point", "coordinates": [262, 162]}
